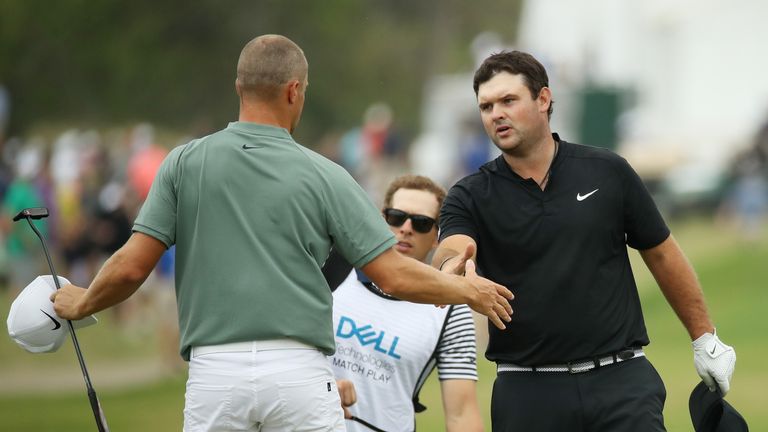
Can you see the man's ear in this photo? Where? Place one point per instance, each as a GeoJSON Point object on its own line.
{"type": "Point", "coordinates": [545, 99]}
{"type": "Point", "coordinates": [293, 88]}
{"type": "Point", "coordinates": [238, 88]}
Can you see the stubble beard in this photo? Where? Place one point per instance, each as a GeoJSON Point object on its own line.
{"type": "Point", "coordinates": [522, 144]}
{"type": "Point", "coordinates": [512, 145]}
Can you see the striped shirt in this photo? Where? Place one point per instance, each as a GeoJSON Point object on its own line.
{"type": "Point", "coordinates": [457, 350]}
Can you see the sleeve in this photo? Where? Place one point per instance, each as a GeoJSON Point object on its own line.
{"type": "Point", "coordinates": [643, 224]}
{"type": "Point", "coordinates": [335, 270]}
{"type": "Point", "coordinates": [356, 225]}
{"type": "Point", "coordinates": [455, 214]}
{"type": "Point", "coordinates": [457, 350]}
{"type": "Point", "coordinates": [157, 217]}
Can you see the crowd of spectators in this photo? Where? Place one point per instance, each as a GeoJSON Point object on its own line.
{"type": "Point", "coordinates": [93, 184]}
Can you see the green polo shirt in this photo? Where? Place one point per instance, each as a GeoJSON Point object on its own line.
{"type": "Point", "coordinates": [253, 216]}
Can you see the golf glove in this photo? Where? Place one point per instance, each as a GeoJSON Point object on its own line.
{"type": "Point", "coordinates": [714, 361]}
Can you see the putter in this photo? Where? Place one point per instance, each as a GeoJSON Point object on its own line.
{"type": "Point", "coordinates": [39, 213]}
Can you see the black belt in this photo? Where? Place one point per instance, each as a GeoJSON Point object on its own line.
{"type": "Point", "coordinates": [577, 366]}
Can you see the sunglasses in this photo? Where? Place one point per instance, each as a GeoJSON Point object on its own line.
{"type": "Point", "coordinates": [396, 218]}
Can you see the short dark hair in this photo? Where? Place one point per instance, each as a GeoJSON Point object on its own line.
{"type": "Point", "coordinates": [516, 63]}
{"type": "Point", "coordinates": [269, 61]}
{"type": "Point", "coordinates": [416, 182]}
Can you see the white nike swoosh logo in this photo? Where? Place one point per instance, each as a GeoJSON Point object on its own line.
{"type": "Point", "coordinates": [580, 197]}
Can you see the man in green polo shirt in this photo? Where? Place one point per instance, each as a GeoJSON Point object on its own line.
{"type": "Point", "coordinates": [253, 216]}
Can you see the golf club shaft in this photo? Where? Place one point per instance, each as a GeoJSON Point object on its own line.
{"type": "Point", "coordinates": [101, 421]}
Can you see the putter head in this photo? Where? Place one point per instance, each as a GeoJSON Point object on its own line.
{"type": "Point", "coordinates": [32, 213]}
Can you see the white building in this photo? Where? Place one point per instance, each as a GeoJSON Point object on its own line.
{"type": "Point", "coordinates": [698, 71]}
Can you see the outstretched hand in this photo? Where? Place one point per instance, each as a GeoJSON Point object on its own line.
{"type": "Point", "coordinates": [491, 299]}
{"type": "Point", "coordinates": [457, 264]}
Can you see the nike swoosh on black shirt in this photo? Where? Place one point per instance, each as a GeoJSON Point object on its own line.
{"type": "Point", "coordinates": [55, 322]}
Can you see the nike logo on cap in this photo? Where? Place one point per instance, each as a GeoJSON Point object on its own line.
{"type": "Point", "coordinates": [580, 197]}
{"type": "Point", "coordinates": [55, 322]}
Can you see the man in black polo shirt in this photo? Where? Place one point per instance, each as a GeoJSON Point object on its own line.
{"type": "Point", "coordinates": [551, 221]}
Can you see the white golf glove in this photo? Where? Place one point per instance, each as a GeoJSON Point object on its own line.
{"type": "Point", "coordinates": [714, 361]}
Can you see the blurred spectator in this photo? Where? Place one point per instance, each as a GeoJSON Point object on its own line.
{"type": "Point", "coordinates": [374, 152]}
{"type": "Point", "coordinates": [22, 247]}
{"type": "Point", "coordinates": [475, 147]}
{"type": "Point", "coordinates": [80, 173]}
{"type": "Point", "coordinates": [746, 200]}
{"type": "Point", "coordinates": [92, 186]}
{"type": "Point", "coordinates": [329, 145]}
{"type": "Point", "coordinates": [152, 311]}
{"type": "Point", "coordinates": [750, 202]}
{"type": "Point", "coordinates": [65, 171]}
{"type": "Point", "coordinates": [145, 160]}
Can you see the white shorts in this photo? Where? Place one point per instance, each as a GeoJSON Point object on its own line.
{"type": "Point", "coordinates": [278, 385]}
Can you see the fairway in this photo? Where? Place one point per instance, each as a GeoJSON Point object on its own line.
{"type": "Point", "coordinates": [732, 271]}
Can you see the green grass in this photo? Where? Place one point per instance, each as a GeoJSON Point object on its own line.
{"type": "Point", "coordinates": [157, 407]}
{"type": "Point", "coordinates": [733, 274]}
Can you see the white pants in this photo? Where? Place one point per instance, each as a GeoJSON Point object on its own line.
{"type": "Point", "coordinates": [278, 385]}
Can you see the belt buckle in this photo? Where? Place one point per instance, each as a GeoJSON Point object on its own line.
{"type": "Point", "coordinates": [625, 355]}
{"type": "Point", "coordinates": [586, 368]}
{"type": "Point", "coordinates": [573, 371]}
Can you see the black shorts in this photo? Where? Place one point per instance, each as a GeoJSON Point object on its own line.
{"type": "Point", "coordinates": [627, 396]}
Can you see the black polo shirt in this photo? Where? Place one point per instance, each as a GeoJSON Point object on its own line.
{"type": "Point", "coordinates": [561, 251]}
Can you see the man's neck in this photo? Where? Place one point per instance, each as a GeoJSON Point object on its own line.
{"type": "Point", "coordinates": [263, 113]}
{"type": "Point", "coordinates": [533, 160]}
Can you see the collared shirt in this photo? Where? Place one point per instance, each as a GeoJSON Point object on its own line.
{"type": "Point", "coordinates": [561, 251]}
{"type": "Point", "coordinates": [253, 215]}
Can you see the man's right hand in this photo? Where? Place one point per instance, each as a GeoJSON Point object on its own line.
{"type": "Point", "coordinates": [457, 264]}
{"type": "Point", "coordinates": [491, 300]}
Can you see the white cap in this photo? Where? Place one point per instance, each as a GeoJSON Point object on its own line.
{"type": "Point", "coordinates": [33, 324]}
